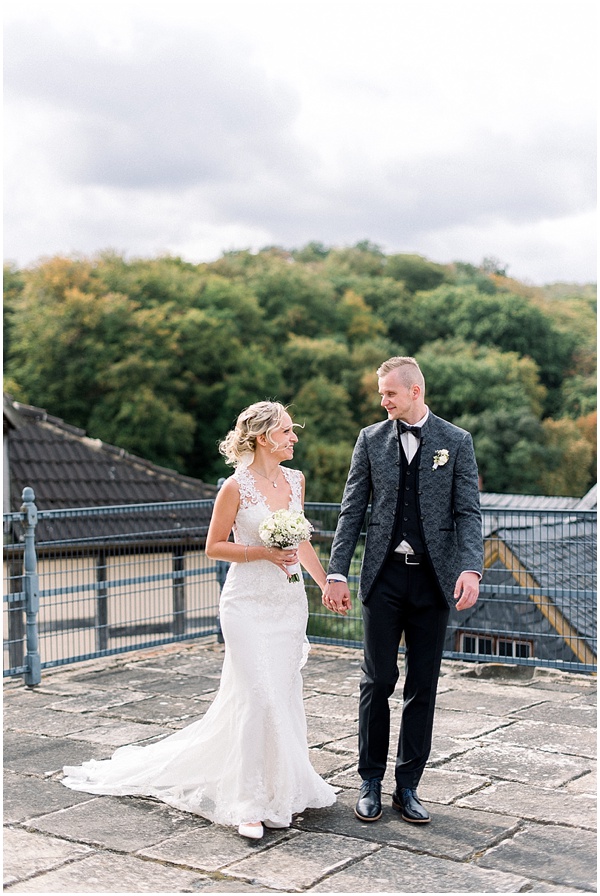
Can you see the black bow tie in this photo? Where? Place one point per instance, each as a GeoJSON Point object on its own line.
{"type": "Point", "coordinates": [416, 430]}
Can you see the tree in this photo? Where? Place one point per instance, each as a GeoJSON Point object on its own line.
{"type": "Point", "coordinates": [509, 322]}
{"type": "Point", "coordinates": [416, 273]}
{"type": "Point", "coordinates": [466, 378]}
{"type": "Point", "coordinates": [497, 397]}
{"type": "Point", "coordinates": [508, 447]}
{"type": "Point", "coordinates": [13, 284]}
{"type": "Point", "coordinates": [60, 349]}
{"type": "Point", "coordinates": [305, 358]}
{"type": "Point", "coordinates": [568, 459]}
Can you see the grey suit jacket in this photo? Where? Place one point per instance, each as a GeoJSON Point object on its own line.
{"type": "Point", "coordinates": [448, 503]}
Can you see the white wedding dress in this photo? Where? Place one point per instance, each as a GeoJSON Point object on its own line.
{"type": "Point", "coordinates": [246, 759]}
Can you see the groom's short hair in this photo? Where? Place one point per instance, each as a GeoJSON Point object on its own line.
{"type": "Point", "coordinates": [409, 370]}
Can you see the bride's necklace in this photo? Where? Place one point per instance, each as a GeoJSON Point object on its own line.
{"type": "Point", "coordinates": [272, 481]}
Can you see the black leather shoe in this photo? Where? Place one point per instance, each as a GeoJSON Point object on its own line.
{"type": "Point", "coordinates": [406, 801]}
{"type": "Point", "coordinates": [368, 807]}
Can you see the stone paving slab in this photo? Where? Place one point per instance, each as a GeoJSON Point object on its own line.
{"type": "Point", "coordinates": [445, 747]}
{"type": "Point", "coordinates": [116, 733]}
{"type": "Point", "coordinates": [97, 700]}
{"type": "Point", "coordinates": [174, 657]}
{"type": "Point", "coordinates": [180, 685]}
{"type": "Point", "coordinates": [397, 871]}
{"type": "Point", "coordinates": [110, 873]}
{"type": "Point", "coordinates": [322, 731]}
{"type": "Point", "coordinates": [504, 701]}
{"type": "Point", "coordinates": [553, 738]}
{"type": "Point", "coordinates": [437, 785]}
{"type": "Point", "coordinates": [553, 888]}
{"type": "Point", "coordinates": [126, 824]}
{"type": "Point", "coordinates": [343, 677]}
{"type": "Point", "coordinates": [327, 762]}
{"type": "Point", "coordinates": [586, 784]}
{"type": "Point", "coordinates": [454, 833]}
{"type": "Point", "coordinates": [565, 714]}
{"type": "Point", "coordinates": [441, 786]}
{"type": "Point", "coordinates": [522, 765]}
{"type": "Point", "coordinates": [499, 735]}
{"type": "Point", "coordinates": [45, 720]}
{"type": "Point", "coordinates": [26, 797]}
{"type": "Point", "coordinates": [585, 700]}
{"type": "Point", "coordinates": [563, 685]}
{"type": "Point", "coordinates": [129, 675]}
{"type": "Point", "coordinates": [333, 706]}
{"type": "Point", "coordinates": [578, 811]}
{"type": "Point", "coordinates": [467, 726]}
{"type": "Point", "coordinates": [548, 854]}
{"type": "Point", "coordinates": [171, 711]}
{"type": "Point", "coordinates": [213, 848]}
{"type": "Point", "coordinates": [153, 681]}
{"type": "Point", "coordinates": [47, 755]}
{"type": "Point", "coordinates": [26, 854]}
{"type": "Point", "coordinates": [300, 862]}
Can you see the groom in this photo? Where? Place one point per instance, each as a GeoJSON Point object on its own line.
{"type": "Point", "coordinates": [424, 550]}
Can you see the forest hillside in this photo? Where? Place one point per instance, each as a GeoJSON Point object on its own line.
{"type": "Point", "coordinates": [159, 355]}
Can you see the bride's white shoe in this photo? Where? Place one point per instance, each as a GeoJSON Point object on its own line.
{"type": "Point", "coordinates": [275, 825]}
{"type": "Point", "coordinates": [252, 831]}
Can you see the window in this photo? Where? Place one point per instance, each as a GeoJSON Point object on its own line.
{"type": "Point", "coordinates": [493, 645]}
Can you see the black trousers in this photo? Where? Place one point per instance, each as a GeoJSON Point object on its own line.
{"type": "Point", "coordinates": [405, 600]}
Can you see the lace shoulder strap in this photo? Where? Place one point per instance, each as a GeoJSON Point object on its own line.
{"type": "Point", "coordinates": [248, 491]}
{"type": "Point", "coordinates": [294, 478]}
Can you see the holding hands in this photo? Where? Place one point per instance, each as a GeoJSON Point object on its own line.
{"type": "Point", "coordinates": [336, 597]}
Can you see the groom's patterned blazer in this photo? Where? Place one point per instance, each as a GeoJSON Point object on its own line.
{"type": "Point", "coordinates": [448, 499]}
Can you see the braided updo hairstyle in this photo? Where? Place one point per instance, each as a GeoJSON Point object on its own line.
{"type": "Point", "coordinates": [261, 418]}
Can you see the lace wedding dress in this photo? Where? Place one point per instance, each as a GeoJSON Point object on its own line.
{"type": "Point", "coordinates": [246, 759]}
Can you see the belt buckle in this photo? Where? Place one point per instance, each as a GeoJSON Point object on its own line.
{"type": "Point", "coordinates": [406, 556]}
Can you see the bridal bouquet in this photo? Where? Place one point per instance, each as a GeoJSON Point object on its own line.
{"type": "Point", "coordinates": [286, 529]}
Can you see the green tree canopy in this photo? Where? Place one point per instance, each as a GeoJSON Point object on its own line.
{"type": "Point", "coordinates": [159, 355]}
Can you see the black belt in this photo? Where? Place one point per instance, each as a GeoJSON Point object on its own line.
{"type": "Point", "coordinates": [408, 559]}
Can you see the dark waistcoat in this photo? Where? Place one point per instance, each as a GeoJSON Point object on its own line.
{"type": "Point", "coordinates": [408, 525]}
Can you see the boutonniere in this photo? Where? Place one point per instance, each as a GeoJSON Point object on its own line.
{"type": "Point", "coordinates": [441, 457]}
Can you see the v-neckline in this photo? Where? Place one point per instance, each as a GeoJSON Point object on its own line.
{"type": "Point", "coordinates": [264, 497]}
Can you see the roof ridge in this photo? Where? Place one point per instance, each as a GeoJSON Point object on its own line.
{"type": "Point", "coordinates": [20, 414]}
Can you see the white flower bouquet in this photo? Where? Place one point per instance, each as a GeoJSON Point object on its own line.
{"type": "Point", "coordinates": [286, 529]}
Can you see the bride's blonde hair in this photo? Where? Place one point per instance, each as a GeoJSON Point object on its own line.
{"type": "Point", "coordinates": [261, 418]}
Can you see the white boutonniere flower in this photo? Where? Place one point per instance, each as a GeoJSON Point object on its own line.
{"type": "Point", "coordinates": [441, 457]}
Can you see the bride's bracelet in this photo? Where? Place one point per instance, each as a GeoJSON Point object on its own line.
{"type": "Point", "coordinates": [245, 553]}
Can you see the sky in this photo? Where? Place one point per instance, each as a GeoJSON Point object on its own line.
{"type": "Point", "coordinates": [454, 129]}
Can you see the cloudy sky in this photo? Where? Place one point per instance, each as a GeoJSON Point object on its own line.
{"type": "Point", "coordinates": [456, 129]}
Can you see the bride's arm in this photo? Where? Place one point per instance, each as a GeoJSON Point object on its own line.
{"type": "Point", "coordinates": [312, 564]}
{"type": "Point", "coordinates": [218, 546]}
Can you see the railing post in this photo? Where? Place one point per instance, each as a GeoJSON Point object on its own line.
{"type": "Point", "coordinates": [33, 676]}
{"type": "Point", "coordinates": [16, 617]}
{"type": "Point", "coordinates": [178, 590]}
{"type": "Point", "coordinates": [101, 602]}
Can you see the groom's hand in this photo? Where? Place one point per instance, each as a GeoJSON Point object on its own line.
{"type": "Point", "coordinates": [466, 591]}
{"type": "Point", "coordinates": [336, 597]}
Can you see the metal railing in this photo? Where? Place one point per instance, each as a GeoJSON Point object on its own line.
{"type": "Point", "coordinates": [90, 582]}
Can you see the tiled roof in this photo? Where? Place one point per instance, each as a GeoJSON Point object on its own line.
{"type": "Point", "coordinates": [538, 502]}
{"type": "Point", "coordinates": [66, 468]}
{"type": "Point", "coordinates": [561, 556]}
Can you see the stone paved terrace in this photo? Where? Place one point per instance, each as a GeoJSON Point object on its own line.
{"type": "Point", "coordinates": [511, 787]}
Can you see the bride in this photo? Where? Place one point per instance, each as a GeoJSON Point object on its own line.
{"type": "Point", "coordinates": [245, 762]}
